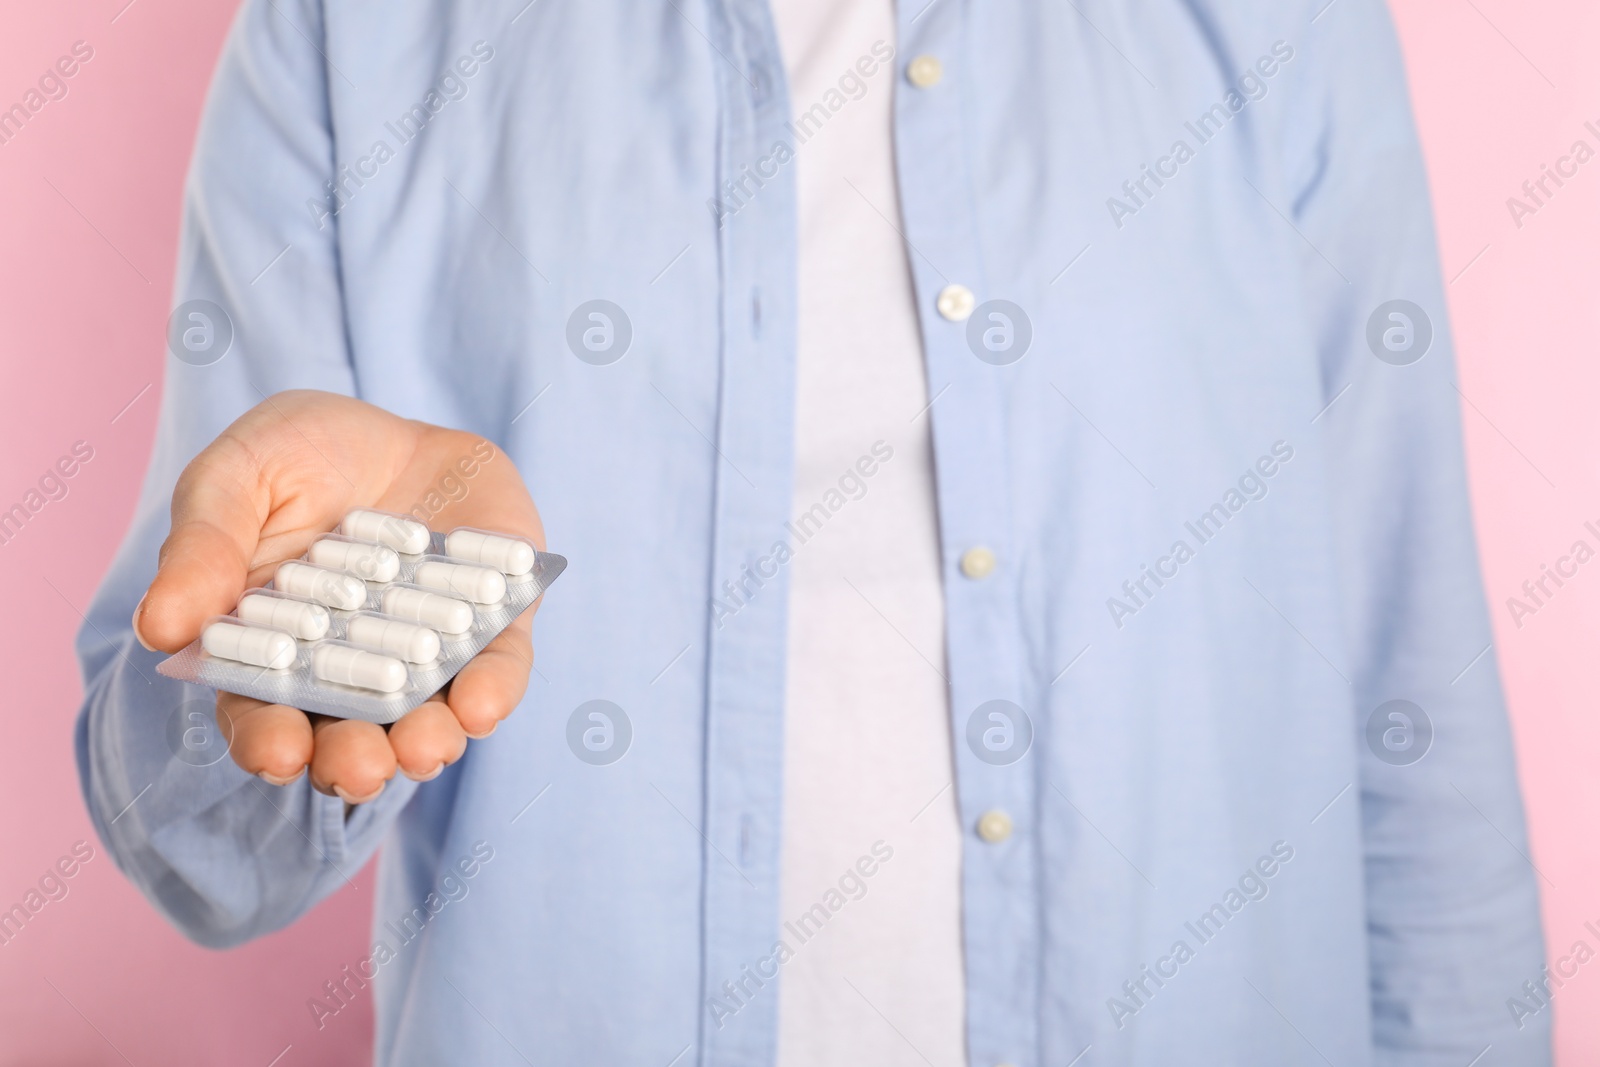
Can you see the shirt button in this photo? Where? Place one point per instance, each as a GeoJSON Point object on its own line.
{"type": "Point", "coordinates": [977, 562]}
{"type": "Point", "coordinates": [956, 302]}
{"type": "Point", "coordinates": [924, 72]}
{"type": "Point", "coordinates": [994, 826]}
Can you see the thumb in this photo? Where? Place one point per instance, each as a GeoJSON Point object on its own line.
{"type": "Point", "coordinates": [205, 561]}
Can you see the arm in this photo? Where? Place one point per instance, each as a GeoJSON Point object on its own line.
{"type": "Point", "coordinates": [1452, 904]}
{"type": "Point", "coordinates": [243, 846]}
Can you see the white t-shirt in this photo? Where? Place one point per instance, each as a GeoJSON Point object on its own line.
{"type": "Point", "coordinates": [867, 724]}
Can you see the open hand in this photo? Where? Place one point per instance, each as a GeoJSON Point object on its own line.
{"type": "Point", "coordinates": [284, 474]}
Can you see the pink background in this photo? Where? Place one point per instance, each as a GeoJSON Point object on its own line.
{"type": "Point", "coordinates": [1499, 87]}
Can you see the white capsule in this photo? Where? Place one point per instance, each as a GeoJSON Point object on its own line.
{"type": "Point", "coordinates": [443, 613]}
{"type": "Point", "coordinates": [374, 563]}
{"type": "Point", "coordinates": [249, 644]}
{"type": "Point", "coordinates": [479, 584]}
{"type": "Point", "coordinates": [509, 555]}
{"type": "Point", "coordinates": [402, 535]}
{"type": "Point", "coordinates": [306, 621]}
{"type": "Point", "coordinates": [342, 591]}
{"type": "Point", "coordinates": [333, 662]}
{"type": "Point", "coordinates": [397, 637]}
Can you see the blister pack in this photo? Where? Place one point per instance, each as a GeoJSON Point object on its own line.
{"type": "Point", "coordinates": [372, 620]}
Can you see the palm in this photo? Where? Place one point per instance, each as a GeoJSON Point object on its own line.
{"type": "Point", "coordinates": [280, 476]}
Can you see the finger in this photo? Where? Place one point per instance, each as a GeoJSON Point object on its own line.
{"type": "Point", "coordinates": [426, 740]}
{"type": "Point", "coordinates": [491, 685]}
{"type": "Point", "coordinates": [216, 521]}
{"type": "Point", "coordinates": [269, 740]}
{"type": "Point", "coordinates": [351, 760]}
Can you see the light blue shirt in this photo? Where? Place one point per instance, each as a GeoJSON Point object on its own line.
{"type": "Point", "coordinates": [1225, 497]}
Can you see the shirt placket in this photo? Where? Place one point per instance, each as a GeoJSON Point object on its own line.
{"type": "Point", "coordinates": [997, 800]}
{"type": "Point", "coordinates": [754, 442]}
